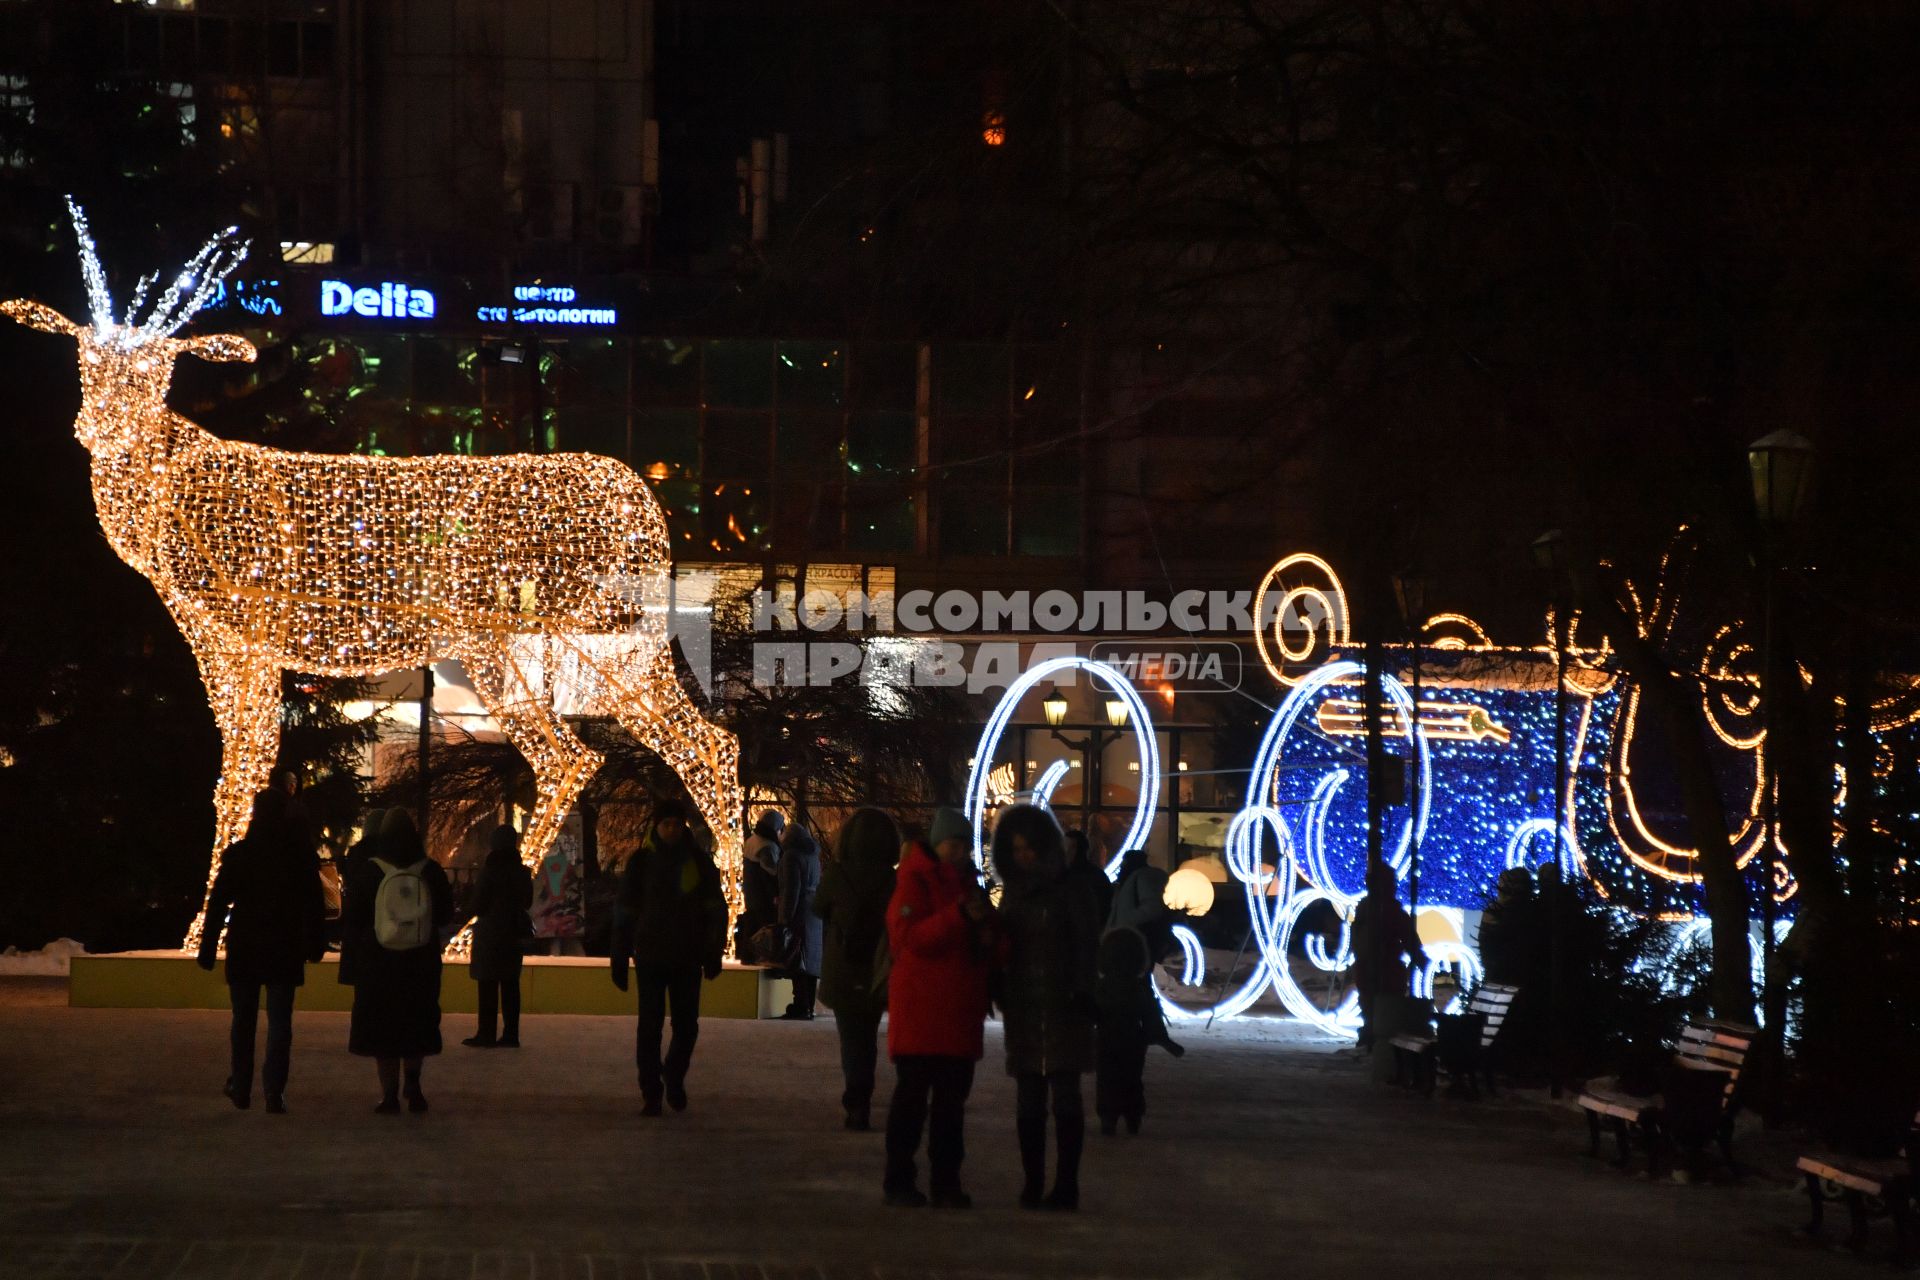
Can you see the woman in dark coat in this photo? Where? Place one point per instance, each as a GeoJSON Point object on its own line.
{"type": "Point", "coordinates": [1051, 922]}
{"type": "Point", "coordinates": [759, 883]}
{"type": "Point", "coordinates": [852, 906]}
{"type": "Point", "coordinates": [267, 898]}
{"type": "Point", "coordinates": [396, 993]}
{"type": "Point", "coordinates": [799, 882]}
{"type": "Point", "coordinates": [501, 897]}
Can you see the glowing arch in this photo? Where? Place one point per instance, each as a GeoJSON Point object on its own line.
{"type": "Point", "coordinates": [1138, 720]}
{"type": "Point", "coordinates": [1315, 603]}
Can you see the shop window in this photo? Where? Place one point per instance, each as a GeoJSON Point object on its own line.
{"type": "Point", "coordinates": [666, 371]}
{"type": "Point", "coordinates": [666, 443]}
{"type": "Point", "coordinates": [811, 375]}
{"type": "Point", "coordinates": [737, 444]}
{"type": "Point", "coordinates": [886, 376]}
{"type": "Point", "coordinates": [283, 49]}
{"type": "Point", "coordinates": [1046, 521]}
{"type": "Point", "coordinates": [807, 448]}
{"type": "Point", "coordinates": [882, 519]}
{"type": "Point", "coordinates": [216, 46]}
{"type": "Point", "coordinates": [739, 374]}
{"type": "Point", "coordinates": [733, 518]}
{"type": "Point", "coordinates": [680, 502]}
{"type": "Point", "coordinates": [882, 444]}
{"type": "Point", "coordinates": [316, 49]}
{"type": "Point", "coordinates": [970, 380]}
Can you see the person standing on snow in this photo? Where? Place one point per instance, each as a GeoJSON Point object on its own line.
{"type": "Point", "coordinates": [944, 936]}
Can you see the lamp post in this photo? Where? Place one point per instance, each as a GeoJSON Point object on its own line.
{"type": "Point", "coordinates": [1410, 593]}
{"type": "Point", "coordinates": [1780, 466]}
{"type": "Point", "coordinates": [1550, 554]}
{"type": "Point", "coordinates": [1054, 708]}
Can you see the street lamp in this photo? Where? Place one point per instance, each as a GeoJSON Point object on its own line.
{"type": "Point", "coordinates": [1116, 711]}
{"type": "Point", "coordinates": [1780, 466]}
{"type": "Point", "coordinates": [1054, 708]}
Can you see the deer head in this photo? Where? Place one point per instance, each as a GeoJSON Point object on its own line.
{"type": "Point", "coordinates": [125, 366]}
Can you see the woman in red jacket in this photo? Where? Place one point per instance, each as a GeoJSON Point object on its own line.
{"type": "Point", "coordinates": [943, 935]}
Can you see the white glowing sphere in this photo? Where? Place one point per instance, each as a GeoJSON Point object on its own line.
{"type": "Point", "coordinates": [1189, 890]}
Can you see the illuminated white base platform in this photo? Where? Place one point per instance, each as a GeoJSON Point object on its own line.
{"type": "Point", "coordinates": [548, 984]}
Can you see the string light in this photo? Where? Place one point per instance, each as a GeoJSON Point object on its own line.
{"type": "Point", "coordinates": [1313, 601]}
{"type": "Point", "coordinates": [268, 561]}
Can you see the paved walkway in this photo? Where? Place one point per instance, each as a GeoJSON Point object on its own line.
{"type": "Point", "coordinates": [1266, 1152]}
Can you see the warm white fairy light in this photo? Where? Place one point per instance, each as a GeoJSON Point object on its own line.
{"type": "Point", "coordinates": [353, 566]}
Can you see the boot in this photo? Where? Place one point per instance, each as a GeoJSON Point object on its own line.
{"type": "Point", "coordinates": [1070, 1135]}
{"type": "Point", "coordinates": [1033, 1160]}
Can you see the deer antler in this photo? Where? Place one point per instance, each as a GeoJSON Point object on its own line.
{"type": "Point", "coordinates": [98, 298]}
{"type": "Point", "coordinates": [191, 289]}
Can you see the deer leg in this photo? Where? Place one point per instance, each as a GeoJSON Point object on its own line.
{"type": "Point", "coordinates": [246, 709]}
{"type": "Point", "coordinates": [658, 713]}
{"type": "Point", "coordinates": [562, 764]}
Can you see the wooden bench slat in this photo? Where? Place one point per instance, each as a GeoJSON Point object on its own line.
{"type": "Point", "coordinates": [1857, 1174]}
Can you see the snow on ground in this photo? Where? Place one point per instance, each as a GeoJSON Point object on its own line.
{"type": "Point", "coordinates": [51, 961]}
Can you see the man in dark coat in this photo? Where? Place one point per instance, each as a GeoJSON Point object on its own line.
{"type": "Point", "coordinates": [1080, 863]}
{"type": "Point", "coordinates": [1051, 922]}
{"type": "Point", "coordinates": [267, 898]}
{"type": "Point", "coordinates": [670, 919]}
{"type": "Point", "coordinates": [1386, 945]}
{"type": "Point", "coordinates": [799, 882]}
{"type": "Point", "coordinates": [501, 896]}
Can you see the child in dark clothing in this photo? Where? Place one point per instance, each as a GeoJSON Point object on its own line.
{"type": "Point", "coordinates": [1130, 1021]}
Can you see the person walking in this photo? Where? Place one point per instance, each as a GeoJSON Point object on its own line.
{"type": "Point", "coordinates": [670, 920]}
{"type": "Point", "coordinates": [944, 936]}
{"type": "Point", "coordinates": [1046, 996]}
{"type": "Point", "coordinates": [501, 898]}
{"type": "Point", "coordinates": [759, 882]}
{"type": "Point", "coordinates": [799, 882]}
{"type": "Point", "coordinates": [852, 906]}
{"type": "Point", "coordinates": [1385, 942]}
{"type": "Point", "coordinates": [399, 909]}
{"type": "Point", "coordinates": [268, 901]}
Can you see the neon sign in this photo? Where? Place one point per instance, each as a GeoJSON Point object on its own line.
{"type": "Point", "coordinates": [391, 300]}
{"type": "Point", "coordinates": [547, 304]}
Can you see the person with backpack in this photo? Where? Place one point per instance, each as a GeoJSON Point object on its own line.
{"type": "Point", "coordinates": [268, 900]}
{"type": "Point", "coordinates": [1046, 995]}
{"type": "Point", "coordinates": [501, 926]}
{"type": "Point", "coordinates": [670, 920]}
{"type": "Point", "coordinates": [399, 909]}
{"type": "Point", "coordinates": [805, 939]}
{"type": "Point", "coordinates": [852, 905]}
{"type": "Point", "coordinates": [944, 938]}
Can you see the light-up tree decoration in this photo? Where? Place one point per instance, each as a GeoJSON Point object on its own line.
{"type": "Point", "coordinates": [520, 567]}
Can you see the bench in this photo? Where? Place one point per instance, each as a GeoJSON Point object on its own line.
{"type": "Point", "coordinates": [1696, 1104]}
{"type": "Point", "coordinates": [1463, 1045]}
{"type": "Point", "coordinates": [1871, 1187]}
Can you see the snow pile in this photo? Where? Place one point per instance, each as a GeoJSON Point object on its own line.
{"type": "Point", "coordinates": [52, 961]}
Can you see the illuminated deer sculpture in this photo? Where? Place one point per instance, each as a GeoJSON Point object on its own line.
{"type": "Point", "coordinates": [531, 570]}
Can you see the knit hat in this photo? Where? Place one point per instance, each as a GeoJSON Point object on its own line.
{"type": "Point", "coordinates": [772, 822]}
{"type": "Point", "coordinates": [949, 824]}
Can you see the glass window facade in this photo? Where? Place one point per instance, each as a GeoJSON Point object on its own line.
{"type": "Point", "coordinates": [756, 447]}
